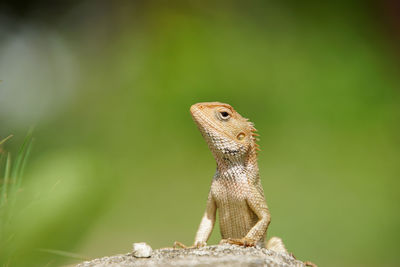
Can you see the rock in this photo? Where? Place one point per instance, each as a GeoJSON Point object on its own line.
{"type": "Point", "coordinates": [218, 255]}
{"type": "Point", "coordinates": [141, 250]}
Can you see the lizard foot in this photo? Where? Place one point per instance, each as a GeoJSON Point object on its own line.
{"type": "Point", "coordinates": [309, 263]}
{"type": "Point", "coordinates": [245, 242]}
{"type": "Point", "coordinates": [306, 263]}
{"type": "Point", "coordinates": [181, 245]}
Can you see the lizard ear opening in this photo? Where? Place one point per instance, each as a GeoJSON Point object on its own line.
{"type": "Point", "coordinates": [240, 136]}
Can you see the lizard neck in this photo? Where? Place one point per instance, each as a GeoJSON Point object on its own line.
{"type": "Point", "coordinates": [237, 168]}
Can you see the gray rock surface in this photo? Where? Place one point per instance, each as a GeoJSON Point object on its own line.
{"type": "Point", "coordinates": [219, 255]}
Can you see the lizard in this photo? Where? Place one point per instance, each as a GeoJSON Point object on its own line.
{"type": "Point", "coordinates": [236, 189]}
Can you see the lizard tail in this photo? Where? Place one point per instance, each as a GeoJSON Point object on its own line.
{"type": "Point", "coordinates": [276, 244]}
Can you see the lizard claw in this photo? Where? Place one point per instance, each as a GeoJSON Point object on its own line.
{"type": "Point", "coordinates": [199, 244]}
{"type": "Point", "coordinates": [196, 245]}
{"type": "Point", "coordinates": [306, 263]}
{"type": "Point", "coordinates": [309, 263]}
{"type": "Point", "coordinates": [180, 245]}
{"type": "Point", "coordinates": [246, 242]}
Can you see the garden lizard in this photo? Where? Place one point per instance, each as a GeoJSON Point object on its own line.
{"type": "Point", "coordinates": [236, 189]}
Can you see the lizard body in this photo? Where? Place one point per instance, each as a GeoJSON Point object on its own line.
{"type": "Point", "coordinates": [236, 189]}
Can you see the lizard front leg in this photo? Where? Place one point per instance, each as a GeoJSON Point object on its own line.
{"type": "Point", "coordinates": [256, 201]}
{"type": "Point", "coordinates": [257, 204]}
{"type": "Point", "coordinates": [206, 225]}
{"type": "Point", "coordinates": [207, 222]}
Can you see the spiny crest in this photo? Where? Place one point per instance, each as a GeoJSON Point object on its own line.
{"type": "Point", "coordinates": [254, 136]}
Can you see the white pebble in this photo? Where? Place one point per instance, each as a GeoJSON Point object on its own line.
{"type": "Point", "coordinates": [142, 250]}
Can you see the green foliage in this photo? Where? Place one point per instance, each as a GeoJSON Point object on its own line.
{"type": "Point", "coordinates": [33, 210]}
{"type": "Point", "coordinates": [11, 185]}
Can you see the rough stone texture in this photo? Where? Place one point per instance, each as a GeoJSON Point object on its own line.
{"type": "Point", "coordinates": [220, 255]}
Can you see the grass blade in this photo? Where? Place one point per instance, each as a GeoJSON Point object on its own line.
{"type": "Point", "coordinates": [1, 159]}
{"type": "Point", "coordinates": [24, 161]}
{"type": "Point", "coordinates": [6, 180]}
{"type": "Point", "coordinates": [64, 254]}
{"type": "Point", "coordinates": [5, 139]}
{"type": "Point", "coordinates": [16, 170]}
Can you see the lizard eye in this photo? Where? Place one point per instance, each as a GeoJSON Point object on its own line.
{"type": "Point", "coordinates": [224, 115]}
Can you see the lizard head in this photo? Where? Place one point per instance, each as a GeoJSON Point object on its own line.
{"type": "Point", "coordinates": [226, 132]}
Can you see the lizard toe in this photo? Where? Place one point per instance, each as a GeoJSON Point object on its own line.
{"type": "Point", "coordinates": [178, 244]}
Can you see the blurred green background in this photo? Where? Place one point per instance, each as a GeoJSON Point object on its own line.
{"type": "Point", "coordinates": [116, 158]}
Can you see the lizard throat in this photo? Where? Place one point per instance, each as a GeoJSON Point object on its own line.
{"type": "Point", "coordinates": [237, 171]}
{"type": "Point", "coordinates": [234, 168]}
